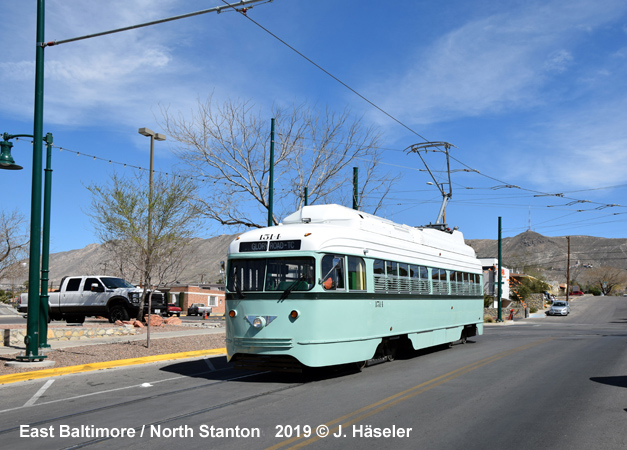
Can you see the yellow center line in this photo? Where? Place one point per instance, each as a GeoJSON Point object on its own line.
{"type": "Point", "coordinates": [381, 405]}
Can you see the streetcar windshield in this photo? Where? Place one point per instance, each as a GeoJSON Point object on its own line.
{"type": "Point", "coordinates": [271, 274]}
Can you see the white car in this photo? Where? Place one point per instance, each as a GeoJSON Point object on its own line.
{"type": "Point", "coordinates": [559, 308]}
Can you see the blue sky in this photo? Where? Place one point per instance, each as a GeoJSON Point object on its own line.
{"type": "Point", "coordinates": [532, 94]}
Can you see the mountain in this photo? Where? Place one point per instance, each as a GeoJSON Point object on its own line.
{"type": "Point", "coordinates": [203, 264]}
{"type": "Point", "coordinates": [520, 253]}
{"type": "Point", "coordinates": [531, 249]}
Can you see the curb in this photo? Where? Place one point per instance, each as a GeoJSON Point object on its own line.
{"type": "Point", "coordinates": [25, 376]}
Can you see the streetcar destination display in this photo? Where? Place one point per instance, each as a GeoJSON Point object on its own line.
{"type": "Point", "coordinates": [292, 244]}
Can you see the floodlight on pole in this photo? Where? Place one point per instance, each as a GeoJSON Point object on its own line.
{"type": "Point", "coordinates": [159, 137]}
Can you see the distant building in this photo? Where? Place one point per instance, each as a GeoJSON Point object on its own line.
{"type": "Point", "coordinates": [209, 295]}
{"type": "Point", "coordinates": [490, 280]}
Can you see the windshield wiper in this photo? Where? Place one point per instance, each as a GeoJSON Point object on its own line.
{"type": "Point", "coordinates": [291, 287]}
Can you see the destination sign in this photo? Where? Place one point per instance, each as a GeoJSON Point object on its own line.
{"type": "Point", "coordinates": [253, 246]}
{"type": "Point", "coordinates": [293, 244]}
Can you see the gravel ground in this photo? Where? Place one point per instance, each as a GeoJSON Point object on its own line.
{"type": "Point", "coordinates": [92, 353]}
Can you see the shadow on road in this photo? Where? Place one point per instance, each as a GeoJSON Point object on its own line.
{"type": "Point", "coordinates": [620, 381]}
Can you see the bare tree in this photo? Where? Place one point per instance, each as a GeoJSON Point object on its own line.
{"type": "Point", "coordinates": [228, 147]}
{"type": "Point", "coordinates": [119, 211]}
{"type": "Point", "coordinates": [607, 278]}
{"type": "Point", "coordinates": [13, 243]}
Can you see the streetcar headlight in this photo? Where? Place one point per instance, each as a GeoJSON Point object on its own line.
{"type": "Point", "coordinates": [259, 322]}
{"type": "Point", "coordinates": [232, 313]}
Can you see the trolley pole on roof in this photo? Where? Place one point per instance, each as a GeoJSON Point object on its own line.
{"type": "Point", "coordinates": [355, 188]}
{"type": "Point", "coordinates": [306, 196]}
{"type": "Point", "coordinates": [271, 176]}
{"type": "Point", "coordinates": [446, 195]}
{"type": "Point", "coordinates": [500, 286]}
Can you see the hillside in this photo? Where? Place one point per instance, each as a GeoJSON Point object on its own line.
{"type": "Point", "coordinates": [530, 249]}
{"type": "Point", "coordinates": [203, 264]}
{"type": "Point", "coordinates": [521, 252]}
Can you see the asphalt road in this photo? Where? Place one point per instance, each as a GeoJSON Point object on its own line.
{"type": "Point", "coordinates": [549, 383]}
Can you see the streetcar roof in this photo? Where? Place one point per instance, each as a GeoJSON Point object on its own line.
{"type": "Point", "coordinates": [340, 229]}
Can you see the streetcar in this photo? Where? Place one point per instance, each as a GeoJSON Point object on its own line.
{"type": "Point", "coordinates": [332, 285]}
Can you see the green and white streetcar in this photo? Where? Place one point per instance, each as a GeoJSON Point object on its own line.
{"type": "Point", "coordinates": [333, 285]}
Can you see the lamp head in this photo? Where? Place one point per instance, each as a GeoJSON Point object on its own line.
{"type": "Point", "coordinates": [6, 160]}
{"type": "Point", "coordinates": [146, 132]}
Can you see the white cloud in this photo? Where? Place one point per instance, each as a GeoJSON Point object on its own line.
{"type": "Point", "coordinates": [492, 64]}
{"type": "Point", "coordinates": [580, 149]}
{"type": "Point", "coordinates": [558, 61]}
{"type": "Point", "coordinates": [116, 77]}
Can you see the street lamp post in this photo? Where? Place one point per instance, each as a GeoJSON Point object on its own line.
{"type": "Point", "coordinates": [37, 319]}
{"type": "Point", "coordinates": [158, 137]}
{"type": "Point", "coordinates": [32, 325]}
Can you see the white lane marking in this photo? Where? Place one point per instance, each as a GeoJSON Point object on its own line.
{"type": "Point", "coordinates": [135, 386]}
{"type": "Point", "coordinates": [39, 393]}
{"type": "Point", "coordinates": [210, 364]}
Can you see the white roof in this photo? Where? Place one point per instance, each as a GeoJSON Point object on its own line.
{"type": "Point", "coordinates": [341, 229]}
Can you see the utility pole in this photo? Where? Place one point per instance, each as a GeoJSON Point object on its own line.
{"type": "Point", "coordinates": [355, 187]}
{"type": "Point", "coordinates": [271, 176]}
{"type": "Point", "coordinates": [500, 286]}
{"type": "Point", "coordinates": [568, 271]}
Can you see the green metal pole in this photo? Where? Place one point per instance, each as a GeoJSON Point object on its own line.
{"type": "Point", "coordinates": [32, 325]}
{"type": "Point", "coordinates": [500, 283]}
{"type": "Point", "coordinates": [306, 196]}
{"type": "Point", "coordinates": [355, 187]}
{"type": "Point", "coordinates": [45, 250]}
{"type": "Point", "coordinates": [271, 181]}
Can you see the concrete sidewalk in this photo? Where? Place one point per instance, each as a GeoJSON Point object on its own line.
{"type": "Point", "coordinates": [51, 371]}
{"type": "Point", "coordinates": [183, 331]}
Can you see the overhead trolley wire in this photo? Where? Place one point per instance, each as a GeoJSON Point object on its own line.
{"type": "Point", "coordinates": [407, 127]}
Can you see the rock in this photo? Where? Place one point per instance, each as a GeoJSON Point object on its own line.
{"type": "Point", "coordinates": [119, 323]}
{"type": "Point", "coordinates": [172, 321]}
{"type": "Point", "coordinates": [155, 320]}
{"type": "Point", "coordinates": [138, 324]}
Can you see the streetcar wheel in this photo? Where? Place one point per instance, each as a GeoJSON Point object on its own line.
{"type": "Point", "coordinates": [360, 365]}
{"type": "Point", "coordinates": [463, 339]}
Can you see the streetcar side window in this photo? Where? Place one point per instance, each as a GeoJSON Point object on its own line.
{"type": "Point", "coordinates": [378, 267]}
{"type": "Point", "coordinates": [477, 287]}
{"type": "Point", "coordinates": [414, 278]}
{"type": "Point", "coordinates": [453, 281]}
{"type": "Point", "coordinates": [403, 277]}
{"type": "Point", "coordinates": [438, 278]}
{"type": "Point", "coordinates": [356, 274]}
{"type": "Point", "coordinates": [419, 279]}
{"type": "Point", "coordinates": [333, 272]}
{"type": "Point", "coordinates": [391, 269]}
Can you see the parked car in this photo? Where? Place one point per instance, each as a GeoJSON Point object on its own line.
{"type": "Point", "coordinates": [197, 309]}
{"type": "Point", "coordinates": [559, 308]}
{"type": "Point", "coordinates": [576, 293]}
{"type": "Point", "coordinates": [173, 310]}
